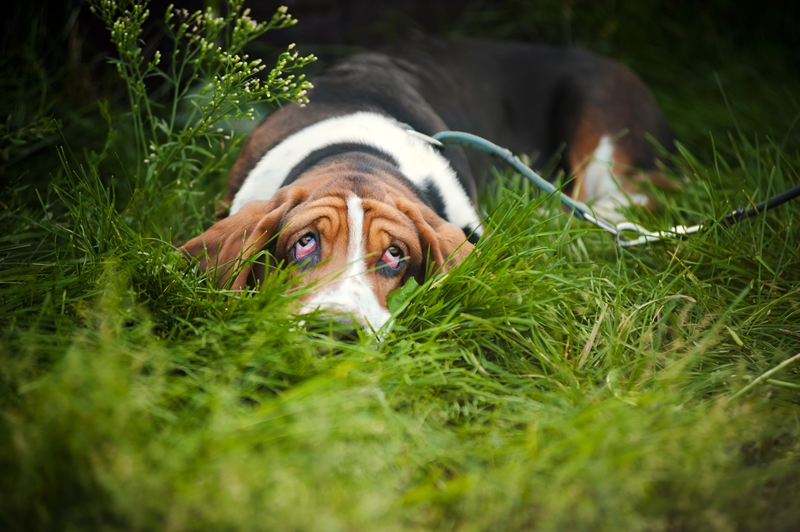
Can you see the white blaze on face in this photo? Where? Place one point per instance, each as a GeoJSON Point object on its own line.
{"type": "Point", "coordinates": [352, 294]}
{"type": "Point", "coordinates": [602, 187]}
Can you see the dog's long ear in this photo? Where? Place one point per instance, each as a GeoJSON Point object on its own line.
{"type": "Point", "coordinates": [440, 239]}
{"type": "Point", "coordinates": [225, 247]}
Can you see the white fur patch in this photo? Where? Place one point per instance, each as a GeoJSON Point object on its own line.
{"type": "Point", "coordinates": [602, 187]}
{"type": "Point", "coordinates": [416, 159]}
{"type": "Point", "coordinates": [352, 294]}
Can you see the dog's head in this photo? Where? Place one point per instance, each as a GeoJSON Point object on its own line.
{"type": "Point", "coordinates": [354, 230]}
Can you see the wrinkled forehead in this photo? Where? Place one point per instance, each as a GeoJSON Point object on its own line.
{"type": "Point", "coordinates": [330, 208]}
{"type": "Point", "coordinates": [341, 211]}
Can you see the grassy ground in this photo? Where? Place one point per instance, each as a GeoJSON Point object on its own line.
{"type": "Point", "coordinates": [551, 382]}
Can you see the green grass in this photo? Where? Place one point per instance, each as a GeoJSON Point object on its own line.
{"type": "Point", "coordinates": [553, 381]}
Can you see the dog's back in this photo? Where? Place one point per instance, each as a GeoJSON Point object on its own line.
{"type": "Point", "coordinates": [591, 113]}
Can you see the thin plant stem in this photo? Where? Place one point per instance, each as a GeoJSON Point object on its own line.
{"type": "Point", "coordinates": [765, 376]}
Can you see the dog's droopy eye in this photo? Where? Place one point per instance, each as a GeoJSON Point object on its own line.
{"type": "Point", "coordinates": [393, 257]}
{"type": "Point", "coordinates": [304, 247]}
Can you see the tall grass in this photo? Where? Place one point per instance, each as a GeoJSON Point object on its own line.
{"type": "Point", "coordinates": [552, 381]}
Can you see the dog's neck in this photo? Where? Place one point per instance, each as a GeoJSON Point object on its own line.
{"type": "Point", "coordinates": [427, 171]}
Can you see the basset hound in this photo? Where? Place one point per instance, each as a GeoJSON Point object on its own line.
{"type": "Point", "coordinates": [347, 192]}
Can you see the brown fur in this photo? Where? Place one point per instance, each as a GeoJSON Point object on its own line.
{"type": "Point", "coordinates": [620, 106]}
{"type": "Point", "coordinates": [393, 215]}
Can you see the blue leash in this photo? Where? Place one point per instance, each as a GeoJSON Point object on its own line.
{"type": "Point", "coordinates": [583, 211]}
{"type": "Point", "coordinates": [468, 140]}
{"type": "Point", "coordinates": [578, 209]}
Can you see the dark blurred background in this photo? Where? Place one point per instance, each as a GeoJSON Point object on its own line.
{"type": "Point", "coordinates": [715, 66]}
{"type": "Point", "coordinates": [745, 24]}
{"type": "Point", "coordinates": [76, 38]}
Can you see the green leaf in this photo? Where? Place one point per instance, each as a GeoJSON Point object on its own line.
{"type": "Point", "coordinates": [399, 298]}
{"type": "Point", "coordinates": [735, 337]}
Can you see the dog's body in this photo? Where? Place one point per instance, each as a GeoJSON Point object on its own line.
{"type": "Point", "coordinates": [345, 184]}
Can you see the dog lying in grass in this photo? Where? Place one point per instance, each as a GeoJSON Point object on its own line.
{"type": "Point", "coordinates": [360, 203]}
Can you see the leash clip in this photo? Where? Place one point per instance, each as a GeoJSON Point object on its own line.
{"type": "Point", "coordinates": [646, 236]}
{"type": "Point", "coordinates": [423, 137]}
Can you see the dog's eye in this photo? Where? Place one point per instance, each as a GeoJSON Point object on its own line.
{"type": "Point", "coordinates": [304, 247]}
{"type": "Point", "coordinates": [393, 257]}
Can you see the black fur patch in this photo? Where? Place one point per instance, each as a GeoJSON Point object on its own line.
{"type": "Point", "coordinates": [433, 197]}
{"type": "Point", "coordinates": [316, 156]}
{"type": "Point", "coordinates": [472, 236]}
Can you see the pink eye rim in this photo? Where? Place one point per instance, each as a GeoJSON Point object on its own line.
{"type": "Point", "coordinates": [393, 258]}
{"type": "Point", "coordinates": [302, 250]}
